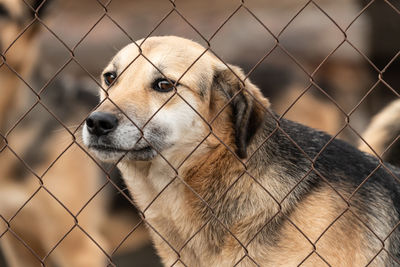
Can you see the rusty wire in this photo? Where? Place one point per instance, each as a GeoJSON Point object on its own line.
{"type": "Point", "coordinates": [174, 8]}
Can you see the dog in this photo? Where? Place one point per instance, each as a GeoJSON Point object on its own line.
{"type": "Point", "coordinates": [14, 15]}
{"type": "Point", "coordinates": [221, 181]}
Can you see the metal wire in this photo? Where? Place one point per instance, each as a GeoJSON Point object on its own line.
{"type": "Point", "coordinates": [175, 9]}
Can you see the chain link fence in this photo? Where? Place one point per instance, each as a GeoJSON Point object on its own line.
{"type": "Point", "coordinates": [55, 196]}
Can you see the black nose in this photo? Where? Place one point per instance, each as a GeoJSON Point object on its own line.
{"type": "Point", "coordinates": [101, 123]}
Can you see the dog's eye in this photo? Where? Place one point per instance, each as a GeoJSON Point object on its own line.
{"type": "Point", "coordinates": [163, 85]}
{"type": "Point", "coordinates": [109, 77]}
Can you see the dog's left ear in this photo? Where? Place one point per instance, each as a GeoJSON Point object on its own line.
{"type": "Point", "coordinates": [247, 103]}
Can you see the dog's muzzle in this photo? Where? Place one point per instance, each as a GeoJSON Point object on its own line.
{"type": "Point", "coordinates": [111, 142]}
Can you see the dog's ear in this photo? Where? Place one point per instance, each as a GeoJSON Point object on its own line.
{"type": "Point", "coordinates": [247, 104]}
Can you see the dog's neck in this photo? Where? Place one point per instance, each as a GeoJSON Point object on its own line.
{"type": "Point", "coordinates": [204, 191]}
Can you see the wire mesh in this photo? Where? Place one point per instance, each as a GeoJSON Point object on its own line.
{"type": "Point", "coordinates": [74, 133]}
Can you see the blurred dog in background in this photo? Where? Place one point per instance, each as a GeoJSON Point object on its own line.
{"type": "Point", "coordinates": [31, 147]}
{"type": "Point", "coordinates": [41, 191]}
{"type": "Point", "coordinates": [382, 134]}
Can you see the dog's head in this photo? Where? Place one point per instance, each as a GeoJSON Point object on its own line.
{"type": "Point", "coordinates": [169, 95]}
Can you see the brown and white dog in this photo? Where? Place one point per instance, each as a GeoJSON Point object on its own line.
{"type": "Point", "coordinates": [222, 182]}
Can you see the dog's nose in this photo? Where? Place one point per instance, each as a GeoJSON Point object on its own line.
{"type": "Point", "coordinates": [101, 123]}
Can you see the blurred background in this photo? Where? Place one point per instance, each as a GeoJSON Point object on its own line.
{"type": "Point", "coordinates": [328, 64]}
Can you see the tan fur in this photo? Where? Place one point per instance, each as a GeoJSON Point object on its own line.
{"type": "Point", "coordinates": [312, 217]}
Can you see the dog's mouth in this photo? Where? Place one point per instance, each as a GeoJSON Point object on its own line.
{"type": "Point", "coordinates": [108, 153]}
{"type": "Point", "coordinates": [116, 149]}
{"type": "Point", "coordinates": [123, 144]}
